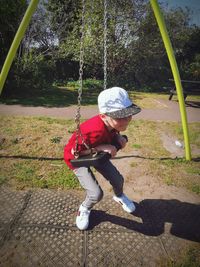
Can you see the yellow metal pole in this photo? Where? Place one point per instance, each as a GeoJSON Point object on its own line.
{"type": "Point", "coordinates": [15, 44]}
{"type": "Point", "coordinates": [176, 75]}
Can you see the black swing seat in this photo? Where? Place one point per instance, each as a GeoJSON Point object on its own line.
{"type": "Point", "coordinates": [94, 160]}
{"type": "Point", "coordinates": [90, 160]}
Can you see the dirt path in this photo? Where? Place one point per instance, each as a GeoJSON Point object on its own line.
{"type": "Point", "coordinates": [139, 184]}
{"type": "Point", "coordinates": [169, 111]}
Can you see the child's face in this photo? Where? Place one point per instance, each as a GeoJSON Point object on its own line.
{"type": "Point", "coordinates": [118, 124]}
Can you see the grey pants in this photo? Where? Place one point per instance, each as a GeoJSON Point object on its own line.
{"type": "Point", "coordinates": [88, 181]}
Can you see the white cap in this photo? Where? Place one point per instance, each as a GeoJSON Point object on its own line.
{"type": "Point", "coordinates": [116, 103]}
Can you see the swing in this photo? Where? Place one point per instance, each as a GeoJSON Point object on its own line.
{"type": "Point", "coordinates": [93, 159]}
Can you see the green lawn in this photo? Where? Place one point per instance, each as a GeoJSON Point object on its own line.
{"type": "Point", "coordinates": [32, 153]}
{"type": "Point", "coordinates": [66, 95]}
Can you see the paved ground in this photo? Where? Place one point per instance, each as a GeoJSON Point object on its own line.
{"type": "Point", "coordinates": [168, 111]}
{"type": "Point", "coordinates": [37, 229]}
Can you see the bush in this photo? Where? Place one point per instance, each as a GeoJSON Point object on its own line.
{"type": "Point", "coordinates": [89, 84]}
{"type": "Point", "coordinates": [29, 72]}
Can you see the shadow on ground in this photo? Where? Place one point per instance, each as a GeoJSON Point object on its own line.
{"type": "Point", "coordinates": [192, 104]}
{"type": "Point", "coordinates": [50, 97]}
{"type": "Point", "coordinates": [197, 159]}
{"type": "Point", "coordinates": [155, 213]}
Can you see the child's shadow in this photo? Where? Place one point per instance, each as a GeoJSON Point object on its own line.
{"type": "Point", "coordinates": [184, 218]}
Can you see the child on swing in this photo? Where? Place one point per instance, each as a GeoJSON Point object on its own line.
{"type": "Point", "coordinates": [100, 133]}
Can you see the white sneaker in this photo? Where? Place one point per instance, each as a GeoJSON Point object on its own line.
{"type": "Point", "coordinates": [126, 203]}
{"type": "Point", "coordinates": [82, 219]}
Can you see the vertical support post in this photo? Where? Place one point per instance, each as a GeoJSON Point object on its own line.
{"type": "Point", "coordinates": [176, 75]}
{"type": "Point", "coordinates": [15, 44]}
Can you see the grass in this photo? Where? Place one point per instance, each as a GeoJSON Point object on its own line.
{"type": "Point", "coordinates": [32, 148]}
{"type": "Point", "coordinates": [56, 96]}
{"type": "Point", "coordinates": [64, 95]}
{"type": "Point", "coordinates": [152, 100]}
{"type": "Point", "coordinates": [148, 100]}
{"type": "Point", "coordinates": [32, 153]}
{"type": "Point", "coordinates": [144, 137]}
{"type": "Point", "coordinates": [190, 257]}
{"type": "Point", "coordinates": [50, 97]}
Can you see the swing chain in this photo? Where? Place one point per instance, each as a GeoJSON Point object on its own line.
{"type": "Point", "coordinates": [81, 62]}
{"type": "Point", "coordinates": [81, 65]}
{"type": "Point", "coordinates": [105, 45]}
{"type": "Point", "coordinates": [80, 89]}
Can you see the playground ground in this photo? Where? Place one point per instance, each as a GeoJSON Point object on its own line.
{"type": "Point", "coordinates": [37, 226]}
{"type": "Point", "coordinates": [168, 111]}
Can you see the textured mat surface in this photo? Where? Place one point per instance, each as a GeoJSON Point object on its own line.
{"type": "Point", "coordinates": [38, 229]}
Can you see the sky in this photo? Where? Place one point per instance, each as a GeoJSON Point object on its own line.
{"type": "Point", "coordinates": [194, 5]}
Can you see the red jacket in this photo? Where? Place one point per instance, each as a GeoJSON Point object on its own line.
{"type": "Point", "coordinates": [94, 132]}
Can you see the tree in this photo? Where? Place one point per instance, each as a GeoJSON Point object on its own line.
{"type": "Point", "coordinates": [64, 14]}
{"type": "Point", "coordinates": [136, 57]}
{"type": "Point", "coordinates": [33, 64]}
{"type": "Point", "coordinates": [190, 56]}
{"type": "Point", "coordinates": [39, 33]}
{"type": "Point", "coordinates": [123, 21]}
{"type": "Point", "coordinates": [151, 65]}
{"type": "Point", "coordinates": [11, 14]}
{"type": "Point", "coordinates": [135, 51]}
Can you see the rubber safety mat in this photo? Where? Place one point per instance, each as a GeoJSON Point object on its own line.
{"type": "Point", "coordinates": [37, 228]}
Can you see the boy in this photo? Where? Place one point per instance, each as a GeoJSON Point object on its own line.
{"type": "Point", "coordinates": [100, 133]}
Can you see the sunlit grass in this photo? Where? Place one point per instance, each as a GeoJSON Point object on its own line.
{"type": "Point", "coordinates": [148, 100]}
{"type": "Point", "coordinates": [144, 137]}
{"type": "Point", "coordinates": [32, 153]}
{"type": "Point", "coordinates": [65, 94]}
{"type": "Point", "coordinates": [189, 257]}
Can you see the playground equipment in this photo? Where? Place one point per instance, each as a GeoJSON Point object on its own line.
{"type": "Point", "coordinates": [93, 159]}
{"type": "Point", "coordinates": [168, 47]}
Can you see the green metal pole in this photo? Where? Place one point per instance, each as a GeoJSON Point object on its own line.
{"type": "Point", "coordinates": [176, 75]}
{"type": "Point", "coordinates": [15, 44]}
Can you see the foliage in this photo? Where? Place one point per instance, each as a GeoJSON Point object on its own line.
{"type": "Point", "coordinates": [136, 54]}
{"type": "Point", "coordinates": [88, 84]}
{"type": "Point", "coordinates": [37, 69]}
{"type": "Point", "coordinates": [63, 16]}
{"type": "Point", "coordinates": [136, 57]}
{"type": "Point", "coordinates": [32, 67]}
{"type": "Point", "coordinates": [11, 13]}
{"type": "Point", "coordinates": [190, 56]}
{"type": "Point", "coordinates": [30, 72]}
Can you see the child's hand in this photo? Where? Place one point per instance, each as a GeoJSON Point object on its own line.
{"type": "Point", "coordinates": [121, 140]}
{"type": "Point", "coordinates": [107, 148]}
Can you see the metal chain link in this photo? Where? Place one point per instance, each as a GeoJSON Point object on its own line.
{"type": "Point", "coordinates": [81, 64]}
{"type": "Point", "coordinates": [105, 45]}
{"type": "Point", "coordinates": [80, 89]}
